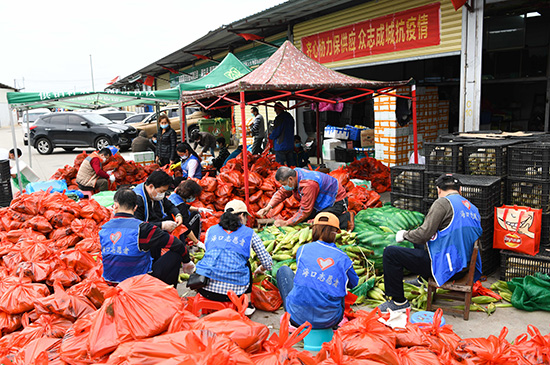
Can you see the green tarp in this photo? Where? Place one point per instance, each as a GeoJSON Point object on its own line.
{"type": "Point", "coordinates": [90, 100]}
{"type": "Point", "coordinates": [230, 69]}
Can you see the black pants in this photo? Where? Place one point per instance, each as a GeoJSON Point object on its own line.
{"type": "Point", "coordinates": [217, 297]}
{"type": "Point", "coordinates": [257, 145]}
{"type": "Point", "coordinates": [415, 260]}
{"type": "Point", "coordinates": [339, 209]}
{"type": "Point", "coordinates": [167, 267]}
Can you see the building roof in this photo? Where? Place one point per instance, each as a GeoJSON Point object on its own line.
{"type": "Point", "coordinates": [266, 23]}
{"type": "Point", "coordinates": [4, 86]}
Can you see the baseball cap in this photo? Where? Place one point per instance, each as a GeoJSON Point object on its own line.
{"type": "Point", "coordinates": [446, 180]}
{"type": "Point", "coordinates": [237, 206]}
{"type": "Point", "coordinates": [327, 219]}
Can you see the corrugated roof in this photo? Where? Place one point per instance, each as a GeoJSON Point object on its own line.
{"type": "Point", "coordinates": [4, 86]}
{"type": "Point", "coordinates": [265, 23]}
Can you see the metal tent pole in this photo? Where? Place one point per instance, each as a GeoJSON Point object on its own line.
{"type": "Point", "coordinates": [28, 137]}
{"type": "Point", "coordinates": [415, 131]}
{"type": "Point", "coordinates": [245, 154]}
{"type": "Point", "coordinates": [318, 133]}
{"type": "Point", "coordinates": [15, 153]}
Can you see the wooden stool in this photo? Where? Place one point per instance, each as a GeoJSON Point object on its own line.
{"type": "Point", "coordinates": [201, 305]}
{"type": "Point", "coordinates": [460, 290]}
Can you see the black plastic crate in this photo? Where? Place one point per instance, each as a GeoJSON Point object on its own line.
{"type": "Point", "coordinates": [428, 203]}
{"type": "Point", "coordinates": [444, 156]}
{"type": "Point", "coordinates": [530, 161]}
{"type": "Point", "coordinates": [488, 227]}
{"type": "Point", "coordinates": [408, 202]}
{"type": "Point", "coordinates": [344, 154]}
{"type": "Point", "coordinates": [483, 191]}
{"type": "Point", "coordinates": [487, 157]}
{"type": "Point", "coordinates": [490, 260]}
{"type": "Point", "coordinates": [5, 170]}
{"type": "Point", "coordinates": [408, 179]}
{"type": "Point", "coordinates": [545, 230]}
{"type": "Point", "coordinates": [518, 265]}
{"type": "Point", "coordinates": [534, 194]}
{"type": "Point", "coordinates": [5, 193]}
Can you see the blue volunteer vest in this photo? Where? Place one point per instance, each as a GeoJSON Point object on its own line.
{"type": "Point", "coordinates": [140, 190]}
{"type": "Point", "coordinates": [323, 268]}
{"type": "Point", "coordinates": [451, 248]}
{"type": "Point", "coordinates": [328, 187]}
{"type": "Point", "coordinates": [122, 257]}
{"type": "Point", "coordinates": [176, 199]}
{"type": "Point", "coordinates": [226, 255]}
{"type": "Point", "coordinates": [185, 169]}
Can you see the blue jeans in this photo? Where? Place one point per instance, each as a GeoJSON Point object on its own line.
{"type": "Point", "coordinates": [285, 282]}
{"type": "Point", "coordinates": [286, 158]}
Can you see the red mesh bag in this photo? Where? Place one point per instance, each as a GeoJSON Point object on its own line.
{"type": "Point", "coordinates": [183, 321]}
{"type": "Point", "coordinates": [79, 158]}
{"type": "Point", "coordinates": [64, 304]}
{"type": "Point", "coordinates": [139, 307]}
{"type": "Point", "coordinates": [341, 175]}
{"type": "Point", "coordinates": [209, 184]}
{"type": "Point", "coordinates": [207, 198]}
{"type": "Point", "coordinates": [233, 178]}
{"type": "Point", "coordinates": [9, 322]}
{"type": "Point", "coordinates": [224, 189]}
{"type": "Point", "coordinates": [279, 348]}
{"type": "Point", "coordinates": [83, 227]}
{"type": "Point", "coordinates": [19, 294]}
{"type": "Point", "coordinates": [247, 334]}
{"type": "Point", "coordinates": [254, 179]}
{"type": "Point", "coordinates": [185, 347]}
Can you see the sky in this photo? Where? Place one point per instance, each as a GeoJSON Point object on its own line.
{"type": "Point", "coordinates": [46, 45]}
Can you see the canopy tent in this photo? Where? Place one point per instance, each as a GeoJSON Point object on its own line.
{"type": "Point", "coordinates": [230, 69]}
{"type": "Point", "coordinates": [291, 75]}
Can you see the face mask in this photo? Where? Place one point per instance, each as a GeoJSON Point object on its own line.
{"type": "Point", "coordinates": [154, 141]}
{"type": "Point", "coordinates": [164, 126]}
{"type": "Point", "coordinates": [288, 188]}
{"type": "Point", "coordinates": [298, 145]}
{"type": "Point", "coordinates": [158, 197]}
{"type": "Point", "coordinates": [183, 158]}
{"type": "Point", "coordinates": [190, 200]}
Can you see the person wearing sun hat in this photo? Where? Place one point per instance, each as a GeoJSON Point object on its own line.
{"type": "Point", "coordinates": [225, 260]}
{"type": "Point", "coordinates": [323, 274]}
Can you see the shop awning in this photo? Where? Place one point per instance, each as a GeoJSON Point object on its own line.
{"type": "Point", "coordinates": [230, 69]}
{"type": "Point", "coordinates": [89, 100]}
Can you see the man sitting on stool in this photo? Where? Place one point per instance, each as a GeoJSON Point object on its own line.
{"type": "Point", "coordinates": [448, 233]}
{"type": "Point", "coordinates": [132, 247]}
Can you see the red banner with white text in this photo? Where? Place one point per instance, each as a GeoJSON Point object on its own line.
{"type": "Point", "coordinates": [409, 29]}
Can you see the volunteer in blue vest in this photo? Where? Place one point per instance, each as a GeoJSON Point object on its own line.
{"type": "Point", "coordinates": [152, 204]}
{"type": "Point", "coordinates": [445, 242]}
{"type": "Point", "coordinates": [129, 246]}
{"type": "Point", "coordinates": [316, 293]}
{"type": "Point", "coordinates": [225, 261]}
{"type": "Point", "coordinates": [187, 192]}
{"type": "Point", "coordinates": [190, 161]}
{"type": "Point", "coordinates": [317, 192]}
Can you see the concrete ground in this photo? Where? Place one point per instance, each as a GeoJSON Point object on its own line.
{"type": "Point", "coordinates": [479, 324]}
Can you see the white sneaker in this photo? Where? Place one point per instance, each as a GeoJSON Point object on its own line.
{"type": "Point", "coordinates": [249, 310]}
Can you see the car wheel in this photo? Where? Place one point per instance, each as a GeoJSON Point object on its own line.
{"type": "Point", "coordinates": [102, 142]}
{"type": "Point", "coordinates": [44, 146]}
{"type": "Point", "coordinates": [192, 129]}
{"type": "Point", "coordinates": [68, 149]}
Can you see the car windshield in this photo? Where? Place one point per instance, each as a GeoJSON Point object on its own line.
{"type": "Point", "coordinates": [97, 119]}
{"type": "Point", "coordinates": [33, 116]}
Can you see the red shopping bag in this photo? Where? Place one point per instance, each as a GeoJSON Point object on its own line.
{"type": "Point", "coordinates": [265, 296]}
{"type": "Point", "coordinates": [517, 229]}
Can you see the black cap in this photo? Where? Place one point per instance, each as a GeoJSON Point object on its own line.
{"type": "Point", "coordinates": [447, 181]}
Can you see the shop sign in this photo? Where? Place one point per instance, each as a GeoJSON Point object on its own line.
{"type": "Point", "coordinates": [409, 29]}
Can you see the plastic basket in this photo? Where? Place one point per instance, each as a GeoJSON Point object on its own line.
{"type": "Point", "coordinates": [5, 193]}
{"type": "Point", "coordinates": [534, 194]}
{"type": "Point", "coordinates": [518, 265]}
{"type": "Point", "coordinates": [354, 133]}
{"type": "Point", "coordinates": [485, 192]}
{"type": "Point", "coordinates": [530, 161]}
{"type": "Point", "coordinates": [408, 179]}
{"type": "Point", "coordinates": [5, 170]}
{"type": "Point", "coordinates": [344, 154]}
{"type": "Point", "coordinates": [487, 158]}
{"type": "Point", "coordinates": [490, 260]}
{"type": "Point", "coordinates": [488, 227]}
{"type": "Point", "coordinates": [545, 230]}
{"type": "Point", "coordinates": [444, 156]}
{"type": "Point", "coordinates": [408, 202]}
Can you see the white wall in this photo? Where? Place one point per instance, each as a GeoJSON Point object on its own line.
{"type": "Point", "coordinates": [4, 108]}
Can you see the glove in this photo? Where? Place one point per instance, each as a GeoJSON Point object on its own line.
{"type": "Point", "coordinates": [112, 178]}
{"type": "Point", "coordinates": [110, 172]}
{"type": "Point", "coordinates": [205, 210]}
{"type": "Point", "coordinates": [201, 245]}
{"type": "Point", "coordinates": [259, 271]}
{"type": "Point", "coordinates": [189, 267]}
{"type": "Point", "coordinates": [399, 236]}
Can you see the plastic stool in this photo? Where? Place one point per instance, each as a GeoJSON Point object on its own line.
{"type": "Point", "coordinates": [424, 317]}
{"type": "Point", "coordinates": [315, 339]}
{"type": "Point", "coordinates": [201, 305]}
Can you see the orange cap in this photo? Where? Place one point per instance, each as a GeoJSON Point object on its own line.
{"type": "Point", "coordinates": [327, 219]}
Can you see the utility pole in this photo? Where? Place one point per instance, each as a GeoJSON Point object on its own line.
{"type": "Point", "coordinates": [92, 71]}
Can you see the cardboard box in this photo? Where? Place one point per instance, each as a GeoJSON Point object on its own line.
{"type": "Point", "coordinates": [367, 137]}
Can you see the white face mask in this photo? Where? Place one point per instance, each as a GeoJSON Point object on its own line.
{"type": "Point", "coordinates": [158, 197]}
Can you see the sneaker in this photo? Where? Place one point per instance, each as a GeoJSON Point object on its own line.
{"type": "Point", "coordinates": [390, 304]}
{"type": "Point", "coordinates": [250, 309]}
{"type": "Point", "coordinates": [416, 281]}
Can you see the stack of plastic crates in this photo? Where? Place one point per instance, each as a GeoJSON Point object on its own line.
{"type": "Point", "coordinates": [485, 193]}
{"type": "Point", "coordinates": [407, 187]}
{"type": "Point", "coordinates": [5, 184]}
